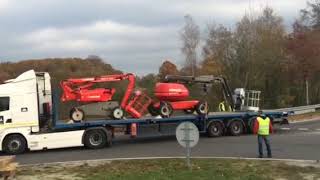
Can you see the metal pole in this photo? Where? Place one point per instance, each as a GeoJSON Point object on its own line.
{"type": "Point", "coordinates": [187, 138]}
{"type": "Point", "coordinates": [192, 66]}
{"type": "Point", "coordinates": [307, 92]}
{"type": "Point", "coordinates": [188, 156]}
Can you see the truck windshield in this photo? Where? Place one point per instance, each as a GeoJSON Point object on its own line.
{"type": "Point", "coordinates": [4, 103]}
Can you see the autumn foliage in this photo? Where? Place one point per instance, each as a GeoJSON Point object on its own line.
{"type": "Point", "coordinates": [167, 68]}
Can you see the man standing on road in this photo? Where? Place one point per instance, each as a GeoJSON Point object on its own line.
{"type": "Point", "coordinates": [263, 127]}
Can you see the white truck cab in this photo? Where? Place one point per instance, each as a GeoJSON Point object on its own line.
{"type": "Point", "coordinates": [25, 115]}
{"type": "Point", "coordinates": [23, 101]}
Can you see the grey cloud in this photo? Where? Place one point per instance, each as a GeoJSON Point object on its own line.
{"type": "Point", "coordinates": [131, 35]}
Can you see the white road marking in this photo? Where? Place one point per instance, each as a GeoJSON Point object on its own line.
{"type": "Point", "coordinates": [285, 128]}
{"type": "Point", "coordinates": [317, 129]}
{"type": "Point", "coordinates": [303, 129]}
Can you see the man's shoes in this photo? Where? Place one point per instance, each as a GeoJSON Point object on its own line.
{"type": "Point", "coordinates": [260, 156]}
{"type": "Point", "coordinates": [269, 156]}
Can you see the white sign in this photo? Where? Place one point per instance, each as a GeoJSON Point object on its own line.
{"type": "Point", "coordinates": [187, 134]}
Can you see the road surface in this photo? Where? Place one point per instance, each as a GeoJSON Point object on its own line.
{"type": "Point", "coordinates": [294, 141]}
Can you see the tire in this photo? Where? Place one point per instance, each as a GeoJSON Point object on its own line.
{"type": "Point", "coordinates": [165, 110]}
{"type": "Point", "coordinates": [14, 144]}
{"type": "Point", "coordinates": [188, 111]}
{"type": "Point", "coordinates": [202, 108]}
{"type": "Point", "coordinates": [152, 110]}
{"type": "Point", "coordinates": [77, 115]}
{"type": "Point", "coordinates": [236, 128]}
{"type": "Point", "coordinates": [117, 113]}
{"type": "Point", "coordinates": [215, 129]}
{"type": "Point", "coordinates": [95, 139]}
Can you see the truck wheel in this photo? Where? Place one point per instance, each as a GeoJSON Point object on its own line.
{"type": "Point", "coordinates": [165, 110]}
{"type": "Point", "coordinates": [77, 115]}
{"type": "Point", "coordinates": [215, 129]}
{"type": "Point", "coordinates": [117, 113]}
{"type": "Point", "coordinates": [202, 108]}
{"type": "Point", "coordinates": [236, 128]}
{"type": "Point", "coordinates": [95, 139]}
{"type": "Point", "coordinates": [14, 144]}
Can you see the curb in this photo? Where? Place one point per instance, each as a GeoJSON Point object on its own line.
{"type": "Point", "coordinates": [173, 157]}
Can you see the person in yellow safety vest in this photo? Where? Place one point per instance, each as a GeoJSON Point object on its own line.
{"type": "Point", "coordinates": [263, 127]}
{"type": "Point", "coordinates": [222, 107]}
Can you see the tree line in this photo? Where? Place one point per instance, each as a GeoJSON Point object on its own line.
{"type": "Point", "coordinates": [260, 53]}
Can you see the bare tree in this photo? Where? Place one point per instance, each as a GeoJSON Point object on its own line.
{"type": "Point", "coordinates": [310, 16]}
{"type": "Point", "coordinates": [190, 36]}
{"type": "Point", "coordinates": [218, 50]}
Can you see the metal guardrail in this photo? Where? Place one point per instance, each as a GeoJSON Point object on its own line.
{"type": "Point", "coordinates": [299, 109]}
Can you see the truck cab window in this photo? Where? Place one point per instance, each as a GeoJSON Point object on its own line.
{"type": "Point", "coordinates": [4, 103]}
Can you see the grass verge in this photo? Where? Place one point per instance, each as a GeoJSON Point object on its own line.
{"type": "Point", "coordinates": [164, 169]}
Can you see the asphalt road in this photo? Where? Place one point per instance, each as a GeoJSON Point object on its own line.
{"type": "Point", "coordinates": [294, 141]}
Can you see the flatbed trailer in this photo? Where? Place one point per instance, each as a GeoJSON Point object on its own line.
{"type": "Point", "coordinates": [29, 120]}
{"type": "Point", "coordinates": [213, 125]}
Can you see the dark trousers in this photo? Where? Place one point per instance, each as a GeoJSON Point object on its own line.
{"type": "Point", "coordinates": [266, 140]}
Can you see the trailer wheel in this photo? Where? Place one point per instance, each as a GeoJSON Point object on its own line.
{"type": "Point", "coordinates": [95, 139]}
{"type": "Point", "coordinates": [215, 129]}
{"type": "Point", "coordinates": [165, 110]}
{"type": "Point", "coordinates": [117, 113]}
{"type": "Point", "coordinates": [236, 128]}
{"type": "Point", "coordinates": [202, 108]}
{"type": "Point", "coordinates": [188, 111]}
{"type": "Point", "coordinates": [14, 144]}
{"type": "Point", "coordinates": [77, 115]}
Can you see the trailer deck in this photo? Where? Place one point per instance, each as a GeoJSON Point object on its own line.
{"type": "Point", "coordinates": [200, 121]}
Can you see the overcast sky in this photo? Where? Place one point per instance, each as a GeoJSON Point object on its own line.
{"type": "Point", "coordinates": [132, 35]}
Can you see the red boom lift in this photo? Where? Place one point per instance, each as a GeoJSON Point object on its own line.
{"type": "Point", "coordinates": [173, 95]}
{"type": "Point", "coordinates": [99, 99]}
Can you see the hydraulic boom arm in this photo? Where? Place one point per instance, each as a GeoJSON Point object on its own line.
{"type": "Point", "coordinates": [207, 79]}
{"type": "Point", "coordinates": [79, 89]}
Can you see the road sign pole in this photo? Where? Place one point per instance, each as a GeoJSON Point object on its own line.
{"type": "Point", "coordinates": [188, 157]}
{"type": "Point", "coordinates": [187, 138]}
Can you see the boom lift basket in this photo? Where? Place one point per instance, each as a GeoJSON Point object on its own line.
{"type": "Point", "coordinates": [252, 100]}
{"type": "Point", "coordinates": [138, 106]}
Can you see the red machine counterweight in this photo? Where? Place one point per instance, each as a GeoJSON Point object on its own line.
{"type": "Point", "coordinates": [174, 96]}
